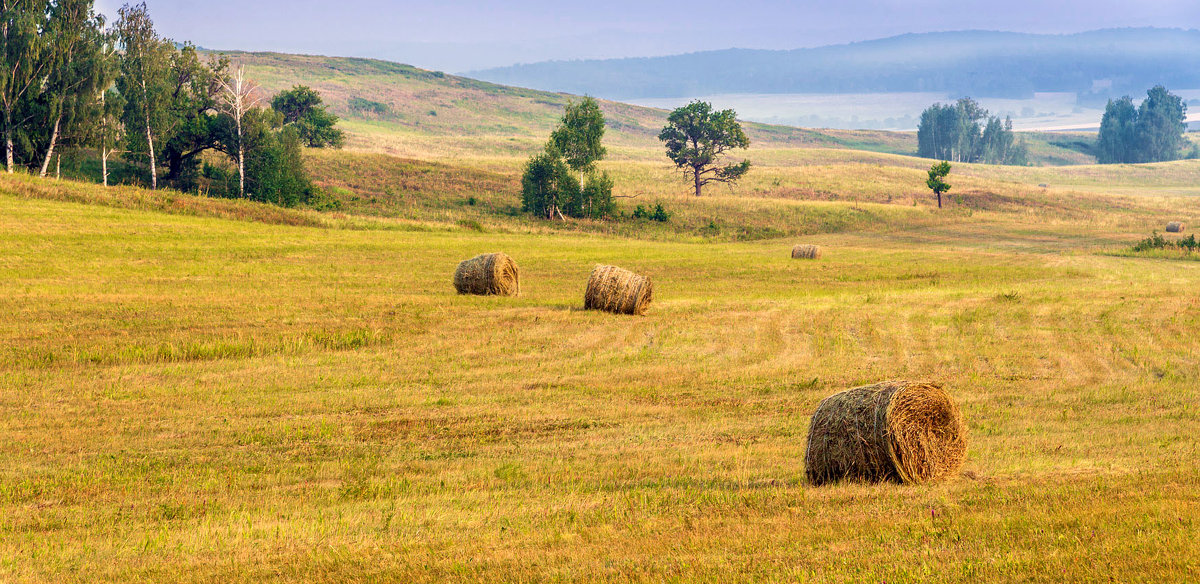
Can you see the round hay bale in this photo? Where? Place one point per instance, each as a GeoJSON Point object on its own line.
{"type": "Point", "coordinates": [1174, 227]}
{"type": "Point", "coordinates": [488, 274]}
{"type": "Point", "coordinates": [613, 289]}
{"type": "Point", "coordinates": [806, 252]}
{"type": "Point", "coordinates": [900, 431]}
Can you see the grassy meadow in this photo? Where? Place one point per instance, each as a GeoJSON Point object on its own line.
{"type": "Point", "coordinates": [200, 390]}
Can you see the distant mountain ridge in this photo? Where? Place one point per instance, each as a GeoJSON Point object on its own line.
{"type": "Point", "coordinates": [1099, 63]}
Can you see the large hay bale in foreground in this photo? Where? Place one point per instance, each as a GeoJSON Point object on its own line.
{"type": "Point", "coordinates": [488, 274]}
{"type": "Point", "coordinates": [806, 252]}
{"type": "Point", "coordinates": [613, 289]}
{"type": "Point", "coordinates": [1174, 227]}
{"type": "Point", "coordinates": [899, 431]}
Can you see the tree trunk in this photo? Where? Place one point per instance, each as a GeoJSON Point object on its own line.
{"type": "Point", "coordinates": [939, 200]}
{"type": "Point", "coordinates": [153, 170]}
{"type": "Point", "coordinates": [103, 140]}
{"type": "Point", "coordinates": [58, 168]}
{"type": "Point", "coordinates": [8, 140]}
{"type": "Point", "coordinates": [149, 135]}
{"type": "Point", "coordinates": [241, 159]}
{"type": "Point", "coordinates": [50, 149]}
{"type": "Point", "coordinates": [696, 175]}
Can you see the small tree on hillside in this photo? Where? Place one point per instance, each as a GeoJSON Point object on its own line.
{"type": "Point", "coordinates": [697, 140]}
{"type": "Point", "coordinates": [596, 198]}
{"type": "Point", "coordinates": [238, 98]}
{"type": "Point", "coordinates": [302, 108]}
{"type": "Point", "coordinates": [936, 181]}
{"type": "Point", "coordinates": [579, 136]}
{"type": "Point", "coordinates": [548, 187]}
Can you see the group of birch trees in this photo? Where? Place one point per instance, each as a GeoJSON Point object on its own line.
{"type": "Point", "coordinates": [69, 79]}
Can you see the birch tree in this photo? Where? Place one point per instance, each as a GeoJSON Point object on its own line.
{"type": "Point", "coordinates": [143, 77]}
{"type": "Point", "coordinates": [240, 96]}
{"type": "Point", "coordinates": [109, 131]}
{"type": "Point", "coordinates": [23, 63]}
{"type": "Point", "coordinates": [79, 53]}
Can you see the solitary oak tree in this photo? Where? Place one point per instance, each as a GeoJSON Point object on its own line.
{"type": "Point", "coordinates": [697, 139]}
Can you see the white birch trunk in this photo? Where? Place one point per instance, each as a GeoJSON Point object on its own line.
{"type": "Point", "coordinates": [50, 150]}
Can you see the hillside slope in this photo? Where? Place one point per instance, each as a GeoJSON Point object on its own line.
{"type": "Point", "coordinates": [977, 63]}
{"type": "Point", "coordinates": [406, 111]}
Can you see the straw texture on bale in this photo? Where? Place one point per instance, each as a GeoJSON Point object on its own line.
{"type": "Point", "coordinates": [613, 289]}
{"type": "Point", "coordinates": [806, 252]}
{"type": "Point", "coordinates": [899, 431]}
{"type": "Point", "coordinates": [488, 274]}
{"type": "Point", "coordinates": [1174, 227]}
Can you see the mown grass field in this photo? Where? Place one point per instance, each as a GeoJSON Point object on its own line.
{"type": "Point", "coordinates": [197, 394]}
{"type": "Point", "coordinates": [200, 390]}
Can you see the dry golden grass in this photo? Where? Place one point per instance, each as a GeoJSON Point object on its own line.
{"type": "Point", "coordinates": [195, 399]}
{"type": "Point", "coordinates": [191, 398]}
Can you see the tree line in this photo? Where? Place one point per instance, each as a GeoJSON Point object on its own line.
{"type": "Point", "coordinates": [71, 80]}
{"type": "Point", "coordinates": [1151, 132]}
{"type": "Point", "coordinates": [965, 132]}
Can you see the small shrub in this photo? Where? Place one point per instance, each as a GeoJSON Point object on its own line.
{"type": "Point", "coordinates": [321, 200]}
{"type": "Point", "coordinates": [660, 214]}
{"type": "Point", "coordinates": [1156, 241]}
{"type": "Point", "coordinates": [472, 200]}
{"type": "Point", "coordinates": [369, 107]}
{"type": "Point", "coordinates": [471, 224]}
{"type": "Point", "coordinates": [639, 212]}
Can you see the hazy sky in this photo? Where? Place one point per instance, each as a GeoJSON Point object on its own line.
{"type": "Point", "coordinates": [458, 35]}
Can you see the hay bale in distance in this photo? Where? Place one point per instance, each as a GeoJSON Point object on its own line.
{"type": "Point", "coordinates": [806, 252]}
{"type": "Point", "coordinates": [900, 431]}
{"type": "Point", "coordinates": [1174, 227]}
{"type": "Point", "coordinates": [488, 274]}
{"type": "Point", "coordinates": [617, 290]}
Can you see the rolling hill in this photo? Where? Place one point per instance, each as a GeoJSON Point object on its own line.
{"type": "Point", "coordinates": [406, 111]}
{"type": "Point", "coordinates": [1095, 64]}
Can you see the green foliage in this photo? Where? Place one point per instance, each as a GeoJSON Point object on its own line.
{"type": "Point", "coordinates": [965, 132]}
{"type": "Point", "coordinates": [368, 107]}
{"type": "Point", "coordinates": [1152, 132]}
{"type": "Point", "coordinates": [1187, 244]}
{"type": "Point", "coordinates": [303, 108]}
{"type": "Point", "coordinates": [548, 189]}
{"type": "Point", "coordinates": [596, 198]}
{"type": "Point", "coordinates": [320, 200]}
{"type": "Point", "coordinates": [697, 139]}
{"type": "Point", "coordinates": [578, 137]}
{"type": "Point", "coordinates": [659, 213]}
{"type": "Point", "coordinates": [1117, 142]}
{"type": "Point", "coordinates": [144, 81]}
{"type": "Point", "coordinates": [274, 162]}
{"type": "Point", "coordinates": [936, 181]}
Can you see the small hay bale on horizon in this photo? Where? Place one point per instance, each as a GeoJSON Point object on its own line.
{"type": "Point", "coordinates": [618, 290]}
{"type": "Point", "coordinates": [489, 274]}
{"type": "Point", "coordinates": [897, 431]}
{"type": "Point", "coordinates": [1174, 227]}
{"type": "Point", "coordinates": [806, 251]}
